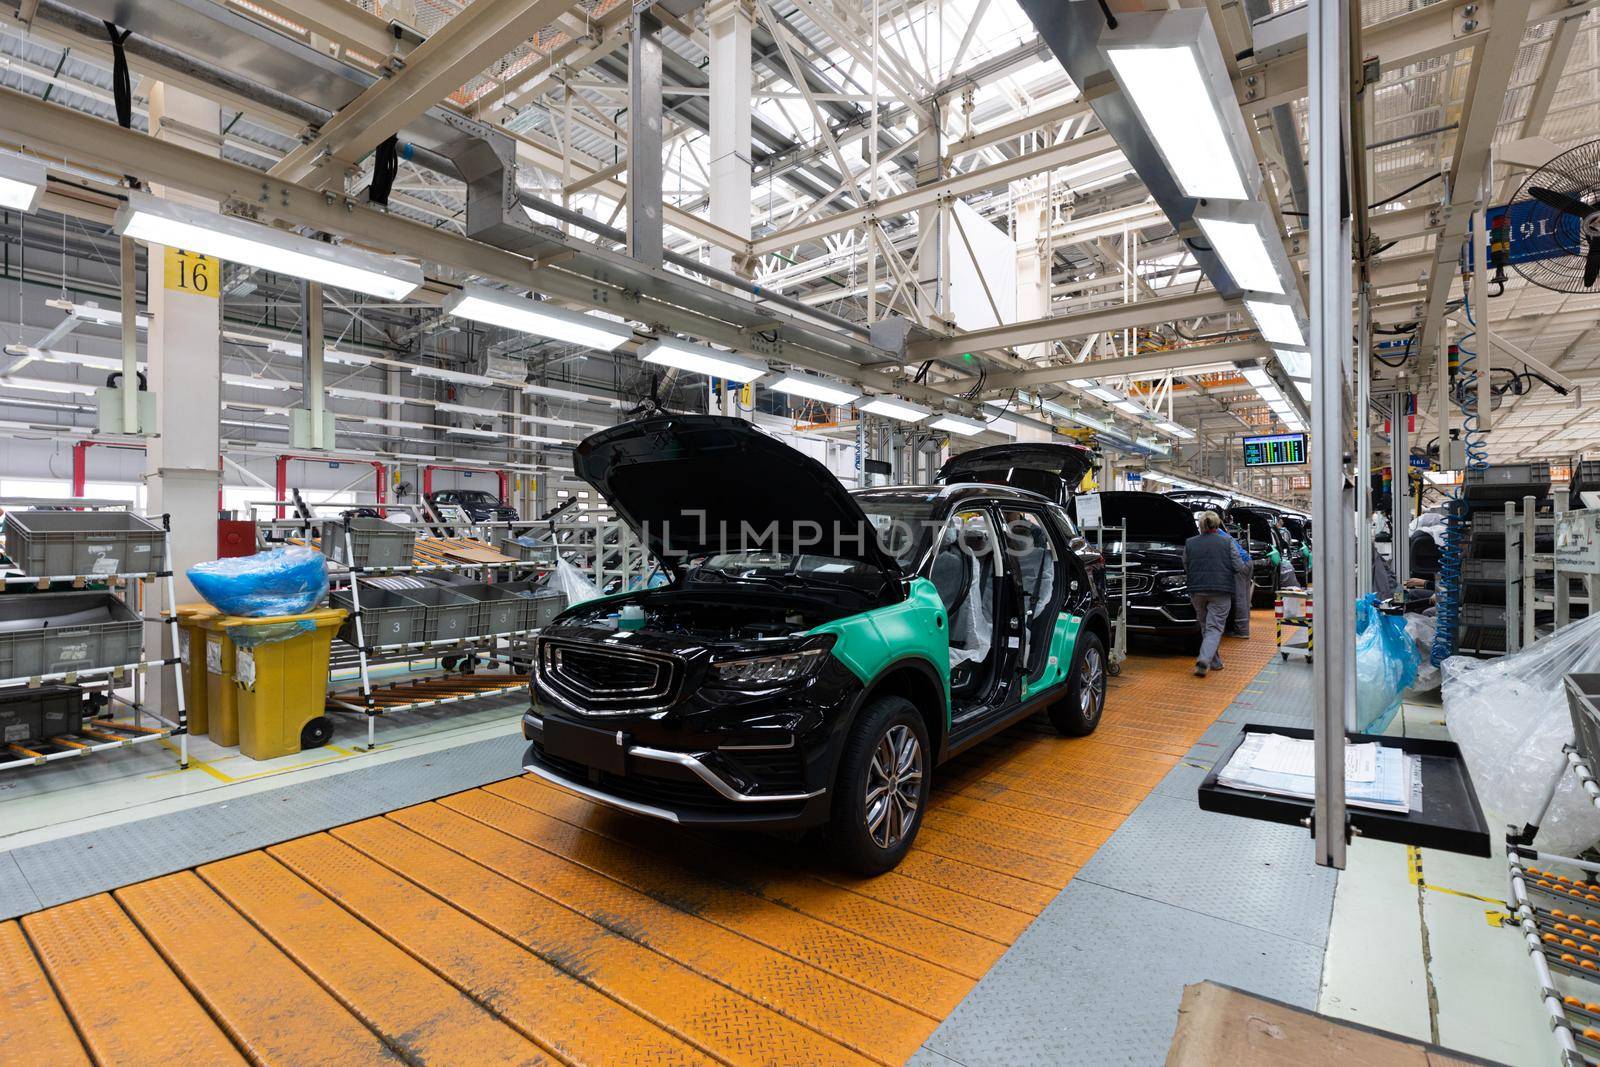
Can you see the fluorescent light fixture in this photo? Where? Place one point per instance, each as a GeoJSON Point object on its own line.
{"type": "Point", "coordinates": [1178, 430]}
{"type": "Point", "coordinates": [536, 318]}
{"type": "Point", "coordinates": [454, 377]}
{"type": "Point", "coordinates": [162, 222]}
{"type": "Point", "coordinates": [463, 409]}
{"type": "Point", "coordinates": [1297, 365]}
{"type": "Point", "coordinates": [701, 359]}
{"type": "Point", "coordinates": [892, 407]}
{"type": "Point", "coordinates": [246, 381]}
{"type": "Point", "coordinates": [957, 424]}
{"type": "Point", "coordinates": [822, 389]}
{"type": "Point", "coordinates": [563, 394]}
{"type": "Point", "coordinates": [1277, 322]}
{"type": "Point", "coordinates": [1243, 250]}
{"type": "Point", "coordinates": [1257, 376]}
{"type": "Point", "coordinates": [21, 182]}
{"type": "Point", "coordinates": [1170, 67]}
{"type": "Point", "coordinates": [373, 420]}
{"type": "Point", "coordinates": [1128, 407]}
{"type": "Point", "coordinates": [470, 431]}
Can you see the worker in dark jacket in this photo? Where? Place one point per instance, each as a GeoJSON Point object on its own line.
{"type": "Point", "coordinates": [1212, 564]}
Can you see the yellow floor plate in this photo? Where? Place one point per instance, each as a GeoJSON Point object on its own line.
{"type": "Point", "coordinates": [520, 924]}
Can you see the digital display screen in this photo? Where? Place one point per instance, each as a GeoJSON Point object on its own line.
{"type": "Point", "coordinates": [1275, 450]}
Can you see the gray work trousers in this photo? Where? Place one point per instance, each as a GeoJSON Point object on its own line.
{"type": "Point", "coordinates": [1243, 587]}
{"type": "Point", "coordinates": [1211, 609]}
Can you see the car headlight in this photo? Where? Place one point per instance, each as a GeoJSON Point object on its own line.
{"type": "Point", "coordinates": [765, 672]}
{"type": "Point", "coordinates": [1171, 581]}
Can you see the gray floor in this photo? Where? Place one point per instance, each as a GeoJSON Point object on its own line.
{"type": "Point", "coordinates": [1176, 895]}
{"type": "Point", "coordinates": [54, 872]}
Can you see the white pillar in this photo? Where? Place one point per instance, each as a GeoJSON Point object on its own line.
{"type": "Point", "coordinates": [728, 30]}
{"type": "Point", "coordinates": [182, 467]}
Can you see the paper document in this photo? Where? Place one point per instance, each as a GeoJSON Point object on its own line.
{"type": "Point", "coordinates": [1376, 776]}
{"type": "Point", "coordinates": [1291, 755]}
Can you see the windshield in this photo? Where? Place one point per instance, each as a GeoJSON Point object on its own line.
{"type": "Point", "coordinates": [475, 496]}
{"type": "Point", "coordinates": [904, 527]}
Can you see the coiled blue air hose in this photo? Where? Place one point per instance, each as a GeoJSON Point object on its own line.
{"type": "Point", "coordinates": [1450, 586]}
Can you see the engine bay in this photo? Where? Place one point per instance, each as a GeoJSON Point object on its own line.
{"type": "Point", "coordinates": [724, 617]}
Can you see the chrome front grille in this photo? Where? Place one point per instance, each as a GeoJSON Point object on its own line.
{"type": "Point", "coordinates": [1138, 582]}
{"type": "Point", "coordinates": [595, 680]}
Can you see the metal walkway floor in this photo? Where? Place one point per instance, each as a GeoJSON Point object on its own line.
{"type": "Point", "coordinates": [517, 924]}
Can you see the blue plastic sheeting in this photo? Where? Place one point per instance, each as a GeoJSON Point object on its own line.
{"type": "Point", "coordinates": [280, 581]}
{"type": "Point", "coordinates": [1386, 665]}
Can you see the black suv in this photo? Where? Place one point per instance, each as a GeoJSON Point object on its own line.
{"type": "Point", "coordinates": [818, 651]}
{"type": "Point", "coordinates": [478, 504]}
{"type": "Point", "coordinates": [1150, 542]}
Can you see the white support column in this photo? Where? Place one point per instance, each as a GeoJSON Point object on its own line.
{"type": "Point", "coordinates": [182, 463]}
{"type": "Point", "coordinates": [728, 28]}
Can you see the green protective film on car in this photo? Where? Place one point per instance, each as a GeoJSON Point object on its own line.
{"type": "Point", "coordinates": [1058, 667]}
{"type": "Point", "coordinates": [869, 642]}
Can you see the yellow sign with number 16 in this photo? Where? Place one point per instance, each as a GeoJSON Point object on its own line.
{"type": "Point", "coordinates": [190, 272]}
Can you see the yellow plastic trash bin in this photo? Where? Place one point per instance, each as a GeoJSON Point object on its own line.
{"type": "Point", "coordinates": [192, 654]}
{"type": "Point", "coordinates": [222, 709]}
{"type": "Point", "coordinates": [281, 686]}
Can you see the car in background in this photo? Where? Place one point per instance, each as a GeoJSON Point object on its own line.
{"type": "Point", "coordinates": [818, 652]}
{"type": "Point", "coordinates": [1298, 527]}
{"type": "Point", "coordinates": [478, 504]}
{"type": "Point", "coordinates": [1146, 533]}
{"type": "Point", "coordinates": [1253, 526]}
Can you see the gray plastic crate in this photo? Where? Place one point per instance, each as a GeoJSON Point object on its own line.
{"type": "Point", "coordinates": [1508, 481]}
{"type": "Point", "coordinates": [387, 617]}
{"type": "Point", "coordinates": [374, 542]}
{"type": "Point", "coordinates": [48, 633]}
{"type": "Point", "coordinates": [48, 711]}
{"type": "Point", "coordinates": [48, 543]}
{"type": "Point", "coordinates": [537, 554]}
{"type": "Point", "coordinates": [546, 603]}
{"type": "Point", "coordinates": [1583, 701]}
{"type": "Point", "coordinates": [1484, 570]}
{"type": "Point", "coordinates": [500, 611]}
{"type": "Point", "coordinates": [447, 615]}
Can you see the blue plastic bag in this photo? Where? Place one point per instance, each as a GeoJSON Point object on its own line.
{"type": "Point", "coordinates": [280, 581]}
{"type": "Point", "coordinates": [1386, 665]}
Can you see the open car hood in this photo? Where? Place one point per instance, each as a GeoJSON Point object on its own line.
{"type": "Point", "coordinates": [1054, 470]}
{"type": "Point", "coordinates": [692, 485]}
{"type": "Point", "coordinates": [1148, 517]}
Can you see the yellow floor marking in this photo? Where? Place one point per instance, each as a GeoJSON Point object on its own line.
{"type": "Point", "coordinates": [209, 766]}
{"type": "Point", "coordinates": [1414, 866]}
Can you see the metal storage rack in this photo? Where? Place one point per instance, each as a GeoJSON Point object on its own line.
{"type": "Point", "coordinates": [42, 541]}
{"type": "Point", "coordinates": [1118, 653]}
{"type": "Point", "coordinates": [408, 694]}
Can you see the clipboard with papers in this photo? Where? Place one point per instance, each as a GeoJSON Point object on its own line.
{"type": "Point", "coordinates": [1414, 791]}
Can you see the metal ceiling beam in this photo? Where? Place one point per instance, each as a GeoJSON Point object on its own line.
{"type": "Point", "coordinates": [570, 269]}
{"type": "Point", "coordinates": [347, 25]}
{"type": "Point", "coordinates": [1079, 324]}
{"type": "Point", "coordinates": [1060, 155]}
{"type": "Point", "coordinates": [1485, 96]}
{"type": "Point", "coordinates": [1413, 37]}
{"type": "Point", "coordinates": [1173, 360]}
{"type": "Point", "coordinates": [463, 48]}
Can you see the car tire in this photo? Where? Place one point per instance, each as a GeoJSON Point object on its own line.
{"type": "Point", "coordinates": [1078, 712]}
{"type": "Point", "coordinates": [864, 836]}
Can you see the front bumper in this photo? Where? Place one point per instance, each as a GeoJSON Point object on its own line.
{"type": "Point", "coordinates": [1166, 620]}
{"type": "Point", "coordinates": [752, 786]}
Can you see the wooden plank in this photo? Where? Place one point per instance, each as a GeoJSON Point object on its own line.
{"type": "Point", "coordinates": [1219, 1026]}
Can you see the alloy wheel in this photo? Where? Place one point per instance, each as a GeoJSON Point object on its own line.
{"type": "Point", "coordinates": [894, 786]}
{"type": "Point", "coordinates": [1091, 684]}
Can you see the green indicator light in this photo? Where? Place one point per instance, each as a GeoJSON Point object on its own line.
{"type": "Point", "coordinates": [967, 356]}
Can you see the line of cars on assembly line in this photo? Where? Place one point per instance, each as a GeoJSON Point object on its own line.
{"type": "Point", "coordinates": [818, 652]}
